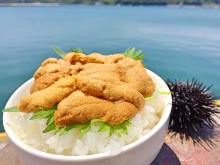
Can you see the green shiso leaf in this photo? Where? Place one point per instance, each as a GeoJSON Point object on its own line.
{"type": "Point", "coordinates": [104, 127]}
{"type": "Point", "coordinates": [42, 114]}
{"type": "Point", "coordinates": [48, 114]}
{"type": "Point", "coordinates": [96, 121]}
{"type": "Point", "coordinates": [58, 130]}
{"type": "Point", "coordinates": [84, 129]}
{"type": "Point", "coordinates": [135, 54]}
{"type": "Point", "coordinates": [12, 109]}
{"type": "Point", "coordinates": [50, 119]}
{"type": "Point", "coordinates": [76, 50]}
{"type": "Point", "coordinates": [50, 124]}
{"type": "Point", "coordinates": [121, 128]}
{"type": "Point", "coordinates": [50, 127]}
{"type": "Point", "coordinates": [59, 52]}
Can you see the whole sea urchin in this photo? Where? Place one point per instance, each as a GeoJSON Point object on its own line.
{"type": "Point", "coordinates": [192, 110]}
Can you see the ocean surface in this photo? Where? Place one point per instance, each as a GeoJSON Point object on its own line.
{"type": "Point", "coordinates": [178, 42]}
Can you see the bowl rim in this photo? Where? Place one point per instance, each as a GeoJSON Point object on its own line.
{"type": "Point", "coordinates": [26, 148]}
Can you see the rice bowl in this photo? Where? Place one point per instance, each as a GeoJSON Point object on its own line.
{"type": "Point", "coordinates": [27, 134]}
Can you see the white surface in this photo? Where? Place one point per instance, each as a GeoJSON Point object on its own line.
{"type": "Point", "coordinates": [144, 149]}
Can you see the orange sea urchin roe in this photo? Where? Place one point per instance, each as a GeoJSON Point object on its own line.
{"type": "Point", "coordinates": [89, 86]}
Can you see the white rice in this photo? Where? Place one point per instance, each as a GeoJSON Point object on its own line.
{"type": "Point", "coordinates": [93, 142]}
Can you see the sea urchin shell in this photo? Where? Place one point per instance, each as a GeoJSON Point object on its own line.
{"type": "Point", "coordinates": [192, 109]}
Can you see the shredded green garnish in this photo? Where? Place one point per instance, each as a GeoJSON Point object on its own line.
{"type": "Point", "coordinates": [12, 109]}
{"type": "Point", "coordinates": [135, 54]}
{"type": "Point", "coordinates": [59, 52]}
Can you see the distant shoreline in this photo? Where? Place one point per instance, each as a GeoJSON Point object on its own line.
{"type": "Point", "coordinates": [34, 4]}
{"type": "Point", "coordinates": [39, 4]}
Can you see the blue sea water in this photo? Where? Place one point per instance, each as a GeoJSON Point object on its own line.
{"type": "Point", "coordinates": [178, 42]}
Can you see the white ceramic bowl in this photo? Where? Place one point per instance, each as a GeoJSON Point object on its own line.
{"type": "Point", "coordinates": [141, 152]}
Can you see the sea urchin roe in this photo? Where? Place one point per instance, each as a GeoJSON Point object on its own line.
{"type": "Point", "coordinates": [108, 87]}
